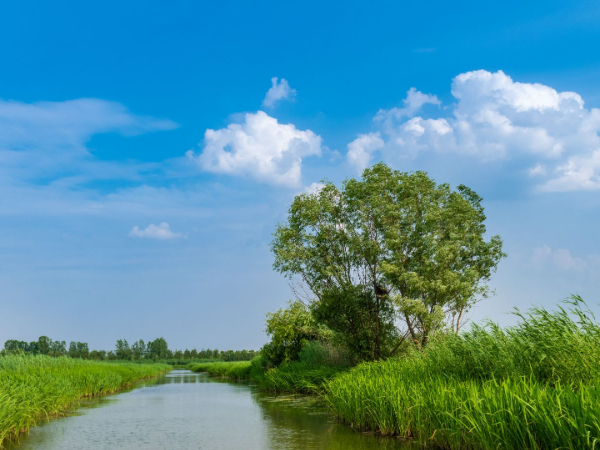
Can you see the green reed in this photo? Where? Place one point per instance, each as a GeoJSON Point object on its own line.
{"type": "Point", "coordinates": [37, 388]}
{"type": "Point", "coordinates": [532, 386]}
{"type": "Point", "coordinates": [236, 370]}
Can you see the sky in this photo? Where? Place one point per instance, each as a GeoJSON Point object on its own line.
{"type": "Point", "coordinates": [148, 149]}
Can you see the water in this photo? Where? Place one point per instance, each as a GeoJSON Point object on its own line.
{"type": "Point", "coordinates": [185, 410]}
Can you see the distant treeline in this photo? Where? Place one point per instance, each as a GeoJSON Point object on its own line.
{"type": "Point", "coordinates": [155, 350]}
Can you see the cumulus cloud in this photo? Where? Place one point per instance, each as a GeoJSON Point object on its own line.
{"type": "Point", "coordinates": [361, 149]}
{"type": "Point", "coordinates": [313, 188]}
{"type": "Point", "coordinates": [261, 148]}
{"type": "Point", "coordinates": [495, 118]}
{"type": "Point", "coordinates": [162, 232]}
{"type": "Point", "coordinates": [413, 102]}
{"type": "Point", "coordinates": [279, 91]}
{"type": "Point", "coordinates": [560, 259]}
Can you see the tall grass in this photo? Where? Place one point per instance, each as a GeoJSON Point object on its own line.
{"type": "Point", "coordinates": [532, 386]}
{"type": "Point", "coordinates": [317, 364]}
{"type": "Point", "coordinates": [236, 370]}
{"type": "Point", "coordinates": [297, 377]}
{"type": "Point", "coordinates": [35, 388]}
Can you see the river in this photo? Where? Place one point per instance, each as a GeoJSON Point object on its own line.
{"type": "Point", "coordinates": [185, 410]}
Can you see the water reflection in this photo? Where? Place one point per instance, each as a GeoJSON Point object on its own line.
{"type": "Point", "coordinates": [298, 424]}
{"type": "Point", "coordinates": [184, 410]}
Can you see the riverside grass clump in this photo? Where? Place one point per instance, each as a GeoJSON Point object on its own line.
{"type": "Point", "coordinates": [532, 386]}
{"type": "Point", "coordinates": [37, 388]}
{"type": "Point", "coordinates": [305, 376]}
{"type": "Point", "coordinates": [297, 376]}
{"type": "Point", "coordinates": [236, 370]}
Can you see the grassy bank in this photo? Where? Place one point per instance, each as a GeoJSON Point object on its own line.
{"type": "Point", "coordinates": [238, 370]}
{"type": "Point", "coordinates": [532, 386]}
{"type": "Point", "coordinates": [535, 385]}
{"type": "Point", "coordinates": [304, 376]}
{"type": "Point", "coordinates": [36, 388]}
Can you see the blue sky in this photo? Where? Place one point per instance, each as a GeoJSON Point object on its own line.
{"type": "Point", "coordinates": [147, 152]}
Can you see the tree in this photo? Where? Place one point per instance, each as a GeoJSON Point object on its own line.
{"type": "Point", "coordinates": [99, 355]}
{"type": "Point", "coordinates": [158, 349]}
{"type": "Point", "coordinates": [122, 349]}
{"type": "Point", "coordinates": [14, 346]}
{"type": "Point", "coordinates": [390, 246]}
{"type": "Point", "coordinates": [59, 348]}
{"type": "Point", "coordinates": [83, 350]}
{"type": "Point", "coordinates": [79, 350]}
{"type": "Point", "coordinates": [73, 349]}
{"type": "Point", "coordinates": [44, 345]}
{"type": "Point", "coordinates": [138, 350]}
{"type": "Point", "coordinates": [290, 329]}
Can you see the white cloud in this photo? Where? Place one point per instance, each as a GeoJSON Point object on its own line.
{"type": "Point", "coordinates": [68, 124]}
{"type": "Point", "coordinates": [361, 149]}
{"type": "Point", "coordinates": [496, 118]}
{"type": "Point", "coordinates": [538, 170]}
{"type": "Point", "coordinates": [413, 102]}
{"type": "Point", "coordinates": [313, 188]}
{"type": "Point", "coordinates": [559, 258]}
{"type": "Point", "coordinates": [259, 147]}
{"type": "Point", "coordinates": [162, 231]}
{"type": "Point", "coordinates": [279, 91]}
{"type": "Point", "coordinates": [48, 140]}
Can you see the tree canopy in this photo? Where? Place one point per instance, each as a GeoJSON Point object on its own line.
{"type": "Point", "coordinates": [389, 247]}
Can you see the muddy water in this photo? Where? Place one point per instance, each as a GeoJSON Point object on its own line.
{"type": "Point", "coordinates": [184, 410]}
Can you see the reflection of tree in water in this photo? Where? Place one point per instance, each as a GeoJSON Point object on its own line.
{"type": "Point", "coordinates": [298, 424]}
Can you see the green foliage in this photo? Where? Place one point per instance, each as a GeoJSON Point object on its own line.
{"type": "Point", "coordinates": [44, 345]}
{"type": "Point", "coordinates": [297, 377]}
{"type": "Point", "coordinates": [365, 326]}
{"type": "Point", "coordinates": [157, 349]}
{"type": "Point", "coordinates": [319, 353]}
{"type": "Point", "coordinates": [317, 363]}
{"type": "Point", "coordinates": [238, 370]}
{"type": "Point", "coordinates": [535, 385]}
{"type": "Point", "coordinates": [35, 388]}
{"type": "Point", "coordinates": [391, 240]}
{"type": "Point", "coordinates": [79, 350]}
{"type": "Point", "coordinates": [290, 329]}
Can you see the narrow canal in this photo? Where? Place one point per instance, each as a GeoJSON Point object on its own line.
{"type": "Point", "coordinates": [185, 410]}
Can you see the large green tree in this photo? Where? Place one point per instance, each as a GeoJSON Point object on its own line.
{"type": "Point", "coordinates": [390, 247]}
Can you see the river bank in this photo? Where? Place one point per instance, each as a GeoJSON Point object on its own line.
{"type": "Point", "coordinates": [185, 410]}
{"type": "Point", "coordinates": [36, 388]}
{"type": "Point", "coordinates": [534, 385]}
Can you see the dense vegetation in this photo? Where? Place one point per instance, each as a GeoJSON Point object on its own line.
{"type": "Point", "coordinates": [152, 351]}
{"type": "Point", "coordinates": [531, 386]}
{"type": "Point", "coordinates": [389, 248]}
{"type": "Point", "coordinates": [397, 248]}
{"type": "Point", "coordinates": [34, 388]}
{"type": "Point", "coordinates": [315, 364]}
{"type": "Point", "coordinates": [535, 385]}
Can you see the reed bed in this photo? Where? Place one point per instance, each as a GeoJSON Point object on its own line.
{"type": "Point", "coordinates": [236, 370]}
{"type": "Point", "coordinates": [297, 376]}
{"type": "Point", "coordinates": [37, 388]}
{"type": "Point", "coordinates": [532, 386]}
